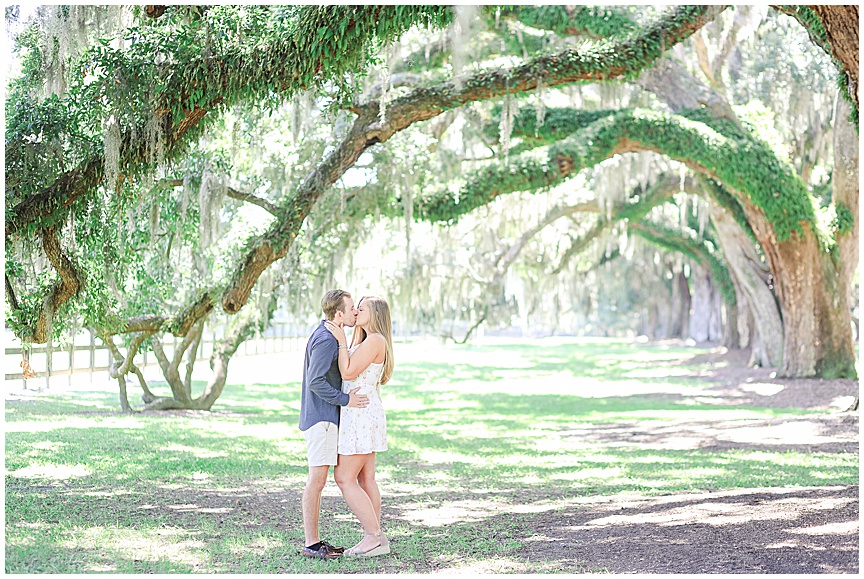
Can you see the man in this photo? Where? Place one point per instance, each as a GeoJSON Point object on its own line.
{"type": "Point", "coordinates": [319, 414]}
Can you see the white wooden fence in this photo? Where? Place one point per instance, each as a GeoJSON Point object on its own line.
{"type": "Point", "coordinates": [87, 353]}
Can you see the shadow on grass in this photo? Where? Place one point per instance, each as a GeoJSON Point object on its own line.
{"type": "Point", "coordinates": [791, 530]}
{"type": "Point", "coordinates": [258, 530]}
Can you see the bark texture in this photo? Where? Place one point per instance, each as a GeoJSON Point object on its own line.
{"type": "Point", "coordinates": [841, 26]}
{"type": "Point", "coordinates": [61, 292]}
{"type": "Point", "coordinates": [750, 278]}
{"type": "Point", "coordinates": [845, 185]}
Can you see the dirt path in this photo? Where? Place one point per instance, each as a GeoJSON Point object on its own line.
{"type": "Point", "coordinates": [809, 530]}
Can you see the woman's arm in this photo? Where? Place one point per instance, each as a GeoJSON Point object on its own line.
{"type": "Point", "coordinates": [351, 366]}
{"type": "Point", "coordinates": [371, 349]}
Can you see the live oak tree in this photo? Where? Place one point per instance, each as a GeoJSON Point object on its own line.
{"type": "Point", "coordinates": [125, 113]}
{"type": "Point", "coordinates": [808, 265]}
{"type": "Point", "coordinates": [799, 326]}
{"type": "Point", "coordinates": [812, 279]}
{"type": "Point", "coordinates": [139, 105]}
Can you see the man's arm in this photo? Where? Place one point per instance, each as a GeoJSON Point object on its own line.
{"type": "Point", "coordinates": [321, 356]}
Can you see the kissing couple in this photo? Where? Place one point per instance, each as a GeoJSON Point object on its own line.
{"type": "Point", "coordinates": [342, 416]}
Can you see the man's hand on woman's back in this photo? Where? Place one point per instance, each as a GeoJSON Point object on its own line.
{"type": "Point", "coordinates": [356, 400]}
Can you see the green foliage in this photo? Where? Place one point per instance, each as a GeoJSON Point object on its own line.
{"type": "Point", "coordinates": [592, 21]}
{"type": "Point", "coordinates": [845, 91]}
{"type": "Point", "coordinates": [487, 183]}
{"type": "Point", "coordinates": [732, 156]}
{"type": "Point", "coordinates": [156, 85]}
{"type": "Point", "coordinates": [737, 159]}
{"type": "Point", "coordinates": [558, 123]}
{"type": "Point", "coordinates": [844, 221]}
{"type": "Point", "coordinates": [249, 54]}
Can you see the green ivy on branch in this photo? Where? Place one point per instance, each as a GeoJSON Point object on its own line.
{"type": "Point", "coordinates": [301, 49]}
{"type": "Point", "coordinates": [592, 62]}
{"type": "Point", "coordinates": [592, 21]}
{"type": "Point", "coordinates": [716, 148]}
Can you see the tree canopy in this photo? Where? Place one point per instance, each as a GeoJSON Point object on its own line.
{"type": "Point", "coordinates": [167, 163]}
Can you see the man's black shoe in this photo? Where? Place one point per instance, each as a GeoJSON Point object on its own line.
{"type": "Point", "coordinates": [322, 552]}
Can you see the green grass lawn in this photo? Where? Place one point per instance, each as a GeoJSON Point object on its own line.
{"type": "Point", "coordinates": [91, 490]}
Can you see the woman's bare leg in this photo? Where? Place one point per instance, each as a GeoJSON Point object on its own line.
{"type": "Point", "coordinates": [346, 474]}
{"type": "Point", "coordinates": [366, 480]}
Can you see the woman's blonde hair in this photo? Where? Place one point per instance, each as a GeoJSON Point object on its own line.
{"type": "Point", "coordinates": [379, 323]}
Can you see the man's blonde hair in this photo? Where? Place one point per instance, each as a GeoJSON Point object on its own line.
{"type": "Point", "coordinates": [334, 301]}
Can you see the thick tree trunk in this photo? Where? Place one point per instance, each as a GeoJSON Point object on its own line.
{"type": "Point", "coordinates": [653, 321]}
{"type": "Point", "coordinates": [731, 329]}
{"type": "Point", "coordinates": [664, 316]}
{"type": "Point", "coordinates": [813, 285]}
{"type": "Point", "coordinates": [715, 321]}
{"type": "Point", "coordinates": [759, 355]}
{"type": "Point", "coordinates": [700, 319]}
{"type": "Point", "coordinates": [749, 277]}
{"type": "Point", "coordinates": [706, 323]}
{"type": "Point", "coordinates": [815, 309]}
{"type": "Point", "coordinates": [845, 184]}
{"type": "Point", "coordinates": [679, 312]}
{"type": "Point", "coordinates": [685, 304]}
{"type": "Point", "coordinates": [744, 316]}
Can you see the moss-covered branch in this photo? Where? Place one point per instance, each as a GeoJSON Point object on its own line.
{"type": "Point", "coordinates": [295, 56]}
{"type": "Point", "coordinates": [606, 61]}
{"type": "Point", "coordinates": [591, 21]}
{"type": "Point", "coordinates": [716, 148]}
{"type": "Point", "coordinates": [594, 22]}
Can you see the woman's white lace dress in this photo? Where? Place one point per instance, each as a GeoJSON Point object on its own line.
{"type": "Point", "coordinates": [364, 430]}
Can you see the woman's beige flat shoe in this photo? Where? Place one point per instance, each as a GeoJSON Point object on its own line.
{"type": "Point", "coordinates": [382, 549]}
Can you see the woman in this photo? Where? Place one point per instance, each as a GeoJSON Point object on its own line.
{"type": "Point", "coordinates": [367, 364]}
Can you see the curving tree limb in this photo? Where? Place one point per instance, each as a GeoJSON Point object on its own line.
{"type": "Point", "coordinates": [72, 184]}
{"type": "Point", "coordinates": [62, 291]}
{"type": "Point", "coordinates": [615, 61]}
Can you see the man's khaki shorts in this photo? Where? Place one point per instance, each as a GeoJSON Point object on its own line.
{"type": "Point", "coordinates": [322, 444]}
